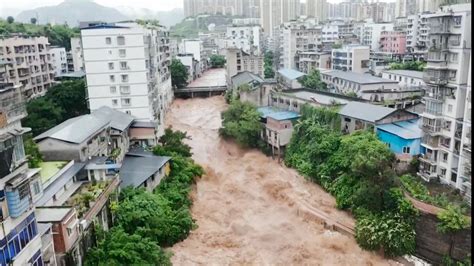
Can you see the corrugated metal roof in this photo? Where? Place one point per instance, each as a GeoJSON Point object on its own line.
{"type": "Point", "coordinates": [357, 77]}
{"type": "Point", "coordinates": [137, 169]}
{"type": "Point", "coordinates": [276, 113]}
{"type": "Point", "coordinates": [365, 111]}
{"type": "Point", "coordinates": [408, 73]}
{"type": "Point", "coordinates": [405, 129]}
{"type": "Point", "coordinates": [290, 74]}
{"type": "Point", "coordinates": [245, 78]}
{"type": "Point", "coordinates": [75, 130]}
{"type": "Point", "coordinates": [118, 120]}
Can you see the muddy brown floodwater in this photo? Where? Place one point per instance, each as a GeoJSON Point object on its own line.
{"type": "Point", "coordinates": [246, 204]}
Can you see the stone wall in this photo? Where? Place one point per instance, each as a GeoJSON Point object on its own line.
{"type": "Point", "coordinates": [432, 245]}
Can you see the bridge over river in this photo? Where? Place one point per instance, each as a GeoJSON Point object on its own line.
{"type": "Point", "coordinates": [212, 82]}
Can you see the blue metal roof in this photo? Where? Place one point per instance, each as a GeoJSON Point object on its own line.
{"type": "Point", "coordinates": [290, 73]}
{"type": "Point", "coordinates": [276, 113]}
{"type": "Point", "coordinates": [405, 129]}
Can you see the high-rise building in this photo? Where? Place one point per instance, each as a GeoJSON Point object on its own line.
{"type": "Point", "coordinates": [246, 8]}
{"type": "Point", "coordinates": [20, 237]}
{"type": "Point", "coordinates": [446, 75]}
{"type": "Point", "coordinates": [404, 8]}
{"type": "Point", "coordinates": [275, 12]}
{"type": "Point", "coordinates": [76, 54]}
{"type": "Point", "coordinates": [59, 60]}
{"type": "Point", "coordinates": [296, 38]}
{"type": "Point", "coordinates": [317, 9]}
{"type": "Point", "coordinates": [127, 68]}
{"type": "Point", "coordinates": [31, 66]}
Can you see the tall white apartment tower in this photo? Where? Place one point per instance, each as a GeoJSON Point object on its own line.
{"type": "Point", "coordinates": [446, 76]}
{"type": "Point", "coordinates": [127, 68]}
{"type": "Point", "coordinates": [317, 9]}
{"type": "Point", "coordinates": [275, 12]}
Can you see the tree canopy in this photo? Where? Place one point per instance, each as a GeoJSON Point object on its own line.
{"type": "Point", "coordinates": [217, 61]}
{"type": "Point", "coordinates": [172, 142]}
{"type": "Point", "coordinates": [268, 71]}
{"type": "Point", "coordinates": [412, 65]}
{"type": "Point", "coordinates": [32, 151]}
{"type": "Point", "coordinates": [179, 74]}
{"type": "Point", "coordinates": [313, 81]}
{"type": "Point", "coordinates": [61, 102]}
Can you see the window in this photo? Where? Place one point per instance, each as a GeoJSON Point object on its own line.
{"type": "Point", "coordinates": [36, 188]}
{"type": "Point", "coordinates": [108, 40]}
{"type": "Point", "coordinates": [123, 65]}
{"type": "Point", "coordinates": [113, 89]}
{"type": "Point", "coordinates": [450, 108]}
{"type": "Point", "coordinates": [114, 102]}
{"type": "Point", "coordinates": [128, 112]}
{"type": "Point", "coordinates": [406, 149]}
{"type": "Point", "coordinates": [443, 172]}
{"type": "Point", "coordinates": [122, 52]}
{"type": "Point", "coordinates": [125, 89]}
{"type": "Point", "coordinates": [347, 119]}
{"type": "Point", "coordinates": [126, 101]}
{"type": "Point", "coordinates": [112, 78]}
{"type": "Point", "coordinates": [69, 231]}
{"type": "Point", "coordinates": [121, 40]}
{"type": "Point", "coordinates": [111, 66]}
{"type": "Point", "coordinates": [124, 78]}
{"type": "Point", "coordinates": [445, 157]}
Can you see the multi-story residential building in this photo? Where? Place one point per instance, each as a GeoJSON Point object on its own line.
{"type": "Point", "coordinates": [393, 42]}
{"type": "Point", "coordinates": [314, 60]}
{"type": "Point", "coordinates": [294, 39]}
{"type": "Point", "coordinates": [429, 5]}
{"type": "Point", "coordinates": [246, 8]}
{"type": "Point", "coordinates": [369, 33]}
{"type": "Point", "coordinates": [465, 159]}
{"type": "Point", "coordinates": [446, 76]}
{"type": "Point", "coordinates": [191, 64]}
{"type": "Point", "coordinates": [353, 58]}
{"type": "Point", "coordinates": [317, 9]}
{"type": "Point", "coordinates": [20, 238]}
{"type": "Point", "coordinates": [405, 78]}
{"type": "Point", "coordinates": [127, 68]}
{"type": "Point", "coordinates": [76, 54]}
{"type": "Point", "coordinates": [247, 21]}
{"type": "Point", "coordinates": [59, 60]}
{"type": "Point", "coordinates": [194, 47]}
{"type": "Point", "coordinates": [404, 8]}
{"type": "Point", "coordinates": [329, 35]}
{"type": "Point", "coordinates": [32, 64]}
{"type": "Point", "coordinates": [273, 13]}
{"type": "Point", "coordinates": [239, 61]}
{"type": "Point", "coordinates": [247, 38]}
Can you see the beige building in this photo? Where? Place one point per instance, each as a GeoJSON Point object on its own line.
{"type": "Point", "coordinates": [353, 58]}
{"type": "Point", "coordinates": [239, 61]}
{"type": "Point", "coordinates": [31, 63]}
{"type": "Point", "coordinates": [314, 60]}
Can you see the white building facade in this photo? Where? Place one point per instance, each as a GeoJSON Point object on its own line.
{"type": "Point", "coordinates": [353, 58]}
{"type": "Point", "coordinates": [59, 60]}
{"type": "Point", "coordinates": [127, 69]}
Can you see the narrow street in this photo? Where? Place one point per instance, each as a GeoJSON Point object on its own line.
{"type": "Point", "coordinates": [246, 205]}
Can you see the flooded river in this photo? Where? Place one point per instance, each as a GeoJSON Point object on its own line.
{"type": "Point", "coordinates": [246, 205]}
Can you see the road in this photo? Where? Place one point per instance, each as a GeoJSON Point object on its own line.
{"type": "Point", "coordinates": [246, 205]}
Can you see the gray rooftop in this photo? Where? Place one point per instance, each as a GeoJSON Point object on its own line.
{"type": "Point", "coordinates": [357, 77]}
{"type": "Point", "coordinates": [291, 74]}
{"type": "Point", "coordinates": [51, 214]}
{"type": "Point", "coordinates": [317, 97]}
{"type": "Point", "coordinates": [408, 73]}
{"type": "Point", "coordinates": [365, 111]}
{"type": "Point", "coordinates": [118, 120]}
{"type": "Point", "coordinates": [138, 166]}
{"type": "Point", "coordinates": [75, 130]}
{"type": "Point", "coordinates": [245, 78]}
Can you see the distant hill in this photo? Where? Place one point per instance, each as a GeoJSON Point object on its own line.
{"type": "Point", "coordinates": [166, 18]}
{"type": "Point", "coordinates": [72, 12]}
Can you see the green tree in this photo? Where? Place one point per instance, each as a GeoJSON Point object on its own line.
{"type": "Point", "coordinates": [336, 46]}
{"type": "Point", "coordinates": [10, 19]}
{"type": "Point", "coordinates": [33, 21]}
{"type": "Point", "coordinates": [32, 151]}
{"type": "Point", "coordinates": [117, 247]}
{"type": "Point", "coordinates": [241, 121]}
{"type": "Point", "coordinates": [268, 71]}
{"type": "Point", "coordinates": [172, 142]}
{"type": "Point", "coordinates": [217, 61]}
{"type": "Point", "coordinates": [179, 74]}
{"type": "Point", "coordinates": [43, 114]}
{"type": "Point", "coordinates": [313, 81]}
{"type": "Point", "coordinates": [451, 222]}
{"type": "Point", "coordinates": [71, 97]}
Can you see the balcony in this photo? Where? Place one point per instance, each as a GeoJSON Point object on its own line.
{"type": "Point", "coordinates": [429, 158]}
{"type": "Point", "coordinates": [435, 77]}
{"type": "Point", "coordinates": [441, 28]}
{"type": "Point", "coordinates": [429, 128]}
{"type": "Point", "coordinates": [432, 142]}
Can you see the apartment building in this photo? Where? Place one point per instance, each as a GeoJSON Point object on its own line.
{"type": "Point", "coordinates": [127, 68]}
{"type": "Point", "coordinates": [317, 9]}
{"type": "Point", "coordinates": [273, 13]}
{"type": "Point", "coordinates": [417, 35]}
{"type": "Point", "coordinates": [314, 60]}
{"type": "Point", "coordinates": [20, 237]}
{"type": "Point", "coordinates": [465, 158]}
{"type": "Point", "coordinates": [393, 42]}
{"type": "Point", "coordinates": [76, 55]}
{"type": "Point", "coordinates": [195, 47]}
{"type": "Point", "coordinates": [296, 38]}
{"type": "Point", "coordinates": [405, 78]}
{"type": "Point", "coordinates": [447, 77]}
{"type": "Point", "coordinates": [32, 64]}
{"type": "Point", "coordinates": [369, 33]}
{"type": "Point", "coordinates": [59, 60]}
{"type": "Point", "coordinates": [191, 64]}
{"type": "Point", "coordinates": [239, 61]}
{"type": "Point", "coordinates": [247, 38]}
{"type": "Point", "coordinates": [246, 8]}
{"type": "Point", "coordinates": [353, 58]}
